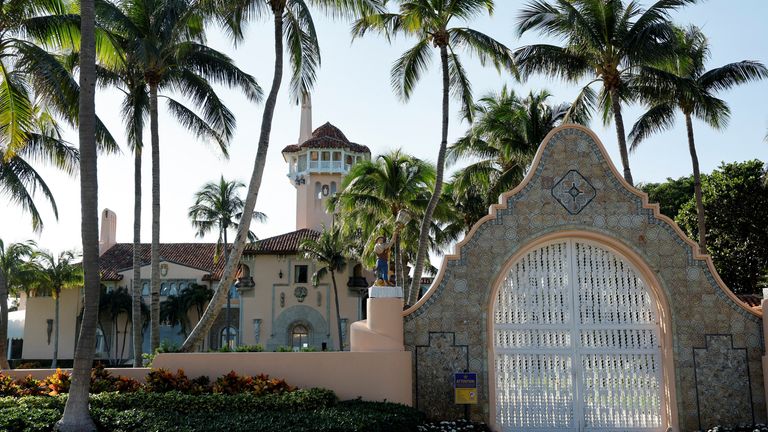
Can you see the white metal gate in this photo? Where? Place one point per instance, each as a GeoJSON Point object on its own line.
{"type": "Point", "coordinates": [577, 343]}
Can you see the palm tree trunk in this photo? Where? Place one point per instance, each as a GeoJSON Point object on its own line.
{"type": "Point", "coordinates": [136, 320]}
{"type": "Point", "coordinates": [155, 252]}
{"type": "Point", "coordinates": [76, 416]}
{"type": "Point", "coordinates": [56, 315]}
{"type": "Point", "coordinates": [697, 186]}
{"type": "Point", "coordinates": [229, 291]}
{"type": "Point", "coordinates": [620, 134]}
{"type": "Point", "coordinates": [338, 311]}
{"type": "Point", "coordinates": [228, 275]}
{"type": "Point", "coordinates": [3, 322]}
{"type": "Point", "coordinates": [426, 222]}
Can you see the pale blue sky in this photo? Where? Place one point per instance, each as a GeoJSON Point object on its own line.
{"type": "Point", "coordinates": [353, 92]}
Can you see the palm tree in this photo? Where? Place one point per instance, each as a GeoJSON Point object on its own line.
{"type": "Point", "coordinates": [219, 206]}
{"type": "Point", "coordinates": [173, 312]}
{"type": "Point", "coordinates": [113, 304]}
{"type": "Point", "coordinates": [14, 263]}
{"type": "Point", "coordinates": [196, 296]}
{"type": "Point", "coordinates": [166, 43]}
{"type": "Point", "coordinates": [76, 416]}
{"type": "Point", "coordinates": [19, 179]}
{"type": "Point", "coordinates": [504, 137]}
{"type": "Point", "coordinates": [329, 251]}
{"type": "Point", "coordinates": [604, 40]}
{"type": "Point", "coordinates": [429, 22]}
{"type": "Point", "coordinates": [685, 85]}
{"type": "Point", "coordinates": [372, 195]}
{"type": "Point", "coordinates": [292, 20]}
{"type": "Point", "coordinates": [35, 90]}
{"type": "Point", "coordinates": [53, 275]}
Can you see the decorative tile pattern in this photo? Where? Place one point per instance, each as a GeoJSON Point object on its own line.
{"type": "Point", "coordinates": [698, 306]}
{"type": "Point", "coordinates": [573, 192]}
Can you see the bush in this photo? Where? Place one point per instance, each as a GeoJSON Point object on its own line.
{"type": "Point", "coordinates": [241, 348]}
{"type": "Point", "coordinates": [310, 410]}
{"type": "Point", "coordinates": [56, 384]}
{"type": "Point", "coordinates": [103, 381]}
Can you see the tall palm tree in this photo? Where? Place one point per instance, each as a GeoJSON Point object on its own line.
{"type": "Point", "coordinates": [372, 195]}
{"type": "Point", "coordinates": [53, 275]}
{"type": "Point", "coordinates": [685, 85]}
{"type": "Point", "coordinates": [429, 21]}
{"type": "Point", "coordinates": [113, 304]}
{"type": "Point", "coordinates": [330, 252]}
{"type": "Point", "coordinates": [14, 263]}
{"type": "Point", "coordinates": [292, 21]}
{"type": "Point", "coordinates": [604, 40]}
{"type": "Point", "coordinates": [504, 136]}
{"type": "Point", "coordinates": [166, 42]}
{"type": "Point", "coordinates": [76, 416]}
{"type": "Point", "coordinates": [219, 206]}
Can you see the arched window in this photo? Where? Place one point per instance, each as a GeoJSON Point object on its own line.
{"type": "Point", "coordinates": [333, 188]}
{"type": "Point", "coordinates": [232, 343]}
{"type": "Point", "coordinates": [145, 289]}
{"type": "Point", "coordinates": [101, 343]}
{"type": "Point", "coordinates": [164, 289]}
{"type": "Point", "coordinates": [299, 337]}
{"type": "Point", "coordinates": [173, 291]}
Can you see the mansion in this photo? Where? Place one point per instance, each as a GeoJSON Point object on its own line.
{"type": "Point", "coordinates": [274, 302]}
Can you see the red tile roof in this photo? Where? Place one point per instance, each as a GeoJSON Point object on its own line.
{"type": "Point", "coordinates": [283, 244]}
{"type": "Point", "coordinates": [327, 136]}
{"type": "Point", "coordinates": [196, 255]}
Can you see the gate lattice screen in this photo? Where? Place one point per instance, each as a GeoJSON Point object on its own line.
{"type": "Point", "coordinates": [577, 343]}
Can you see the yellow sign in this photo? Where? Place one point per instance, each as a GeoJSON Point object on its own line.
{"type": "Point", "coordinates": [466, 396]}
{"type": "Point", "coordinates": [465, 388]}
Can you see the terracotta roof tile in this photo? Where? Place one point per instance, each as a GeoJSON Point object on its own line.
{"type": "Point", "coordinates": [327, 136]}
{"type": "Point", "coordinates": [283, 244]}
{"type": "Point", "coordinates": [196, 255]}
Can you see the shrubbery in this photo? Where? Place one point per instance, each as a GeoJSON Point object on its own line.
{"type": "Point", "coordinates": [157, 381]}
{"type": "Point", "coordinates": [310, 410]}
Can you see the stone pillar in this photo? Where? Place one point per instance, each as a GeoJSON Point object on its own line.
{"type": "Point", "coordinates": [383, 330]}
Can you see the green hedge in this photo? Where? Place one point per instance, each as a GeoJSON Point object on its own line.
{"type": "Point", "coordinates": [302, 410]}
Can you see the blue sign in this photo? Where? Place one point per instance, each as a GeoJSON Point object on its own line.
{"type": "Point", "coordinates": [465, 387]}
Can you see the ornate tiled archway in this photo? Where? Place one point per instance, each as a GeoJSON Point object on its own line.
{"type": "Point", "coordinates": [572, 190]}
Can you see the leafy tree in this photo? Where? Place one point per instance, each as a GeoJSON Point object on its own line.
{"type": "Point", "coordinates": [76, 416]}
{"type": "Point", "coordinates": [671, 195]}
{"type": "Point", "coordinates": [736, 204]}
{"type": "Point", "coordinates": [429, 22]}
{"type": "Point", "coordinates": [503, 138]}
{"type": "Point", "coordinates": [329, 251]}
{"type": "Point", "coordinates": [603, 40]}
{"type": "Point", "coordinates": [165, 41]}
{"type": "Point", "coordinates": [173, 312]}
{"type": "Point", "coordinates": [293, 22]}
{"type": "Point", "coordinates": [53, 275]}
{"type": "Point", "coordinates": [685, 85]}
{"type": "Point", "coordinates": [14, 265]}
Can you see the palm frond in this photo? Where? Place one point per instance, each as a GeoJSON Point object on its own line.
{"type": "Point", "coordinates": [658, 118]}
{"type": "Point", "coordinates": [408, 69]}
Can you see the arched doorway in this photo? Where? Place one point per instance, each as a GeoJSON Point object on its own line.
{"type": "Point", "coordinates": [576, 343]}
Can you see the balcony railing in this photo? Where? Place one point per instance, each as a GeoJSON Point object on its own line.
{"type": "Point", "coordinates": [321, 167]}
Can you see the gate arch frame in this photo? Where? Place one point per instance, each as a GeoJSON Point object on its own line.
{"type": "Point", "coordinates": [653, 285]}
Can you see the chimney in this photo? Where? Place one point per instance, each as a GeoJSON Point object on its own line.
{"type": "Point", "coordinates": [108, 230]}
{"type": "Point", "coordinates": [305, 127]}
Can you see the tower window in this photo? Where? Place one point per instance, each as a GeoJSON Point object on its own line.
{"type": "Point", "coordinates": [313, 155]}
{"type": "Point", "coordinates": [300, 274]}
{"type": "Point", "coordinates": [336, 156]}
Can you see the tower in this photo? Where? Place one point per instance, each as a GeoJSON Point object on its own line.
{"type": "Point", "coordinates": [316, 167]}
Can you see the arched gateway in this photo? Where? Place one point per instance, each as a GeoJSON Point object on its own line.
{"type": "Point", "coordinates": [580, 307]}
{"type": "Point", "coordinates": [576, 342]}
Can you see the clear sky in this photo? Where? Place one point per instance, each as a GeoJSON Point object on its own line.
{"type": "Point", "coordinates": [353, 93]}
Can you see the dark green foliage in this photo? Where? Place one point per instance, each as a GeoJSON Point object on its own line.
{"type": "Point", "coordinates": [670, 195]}
{"type": "Point", "coordinates": [310, 410]}
{"type": "Point", "coordinates": [736, 205]}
